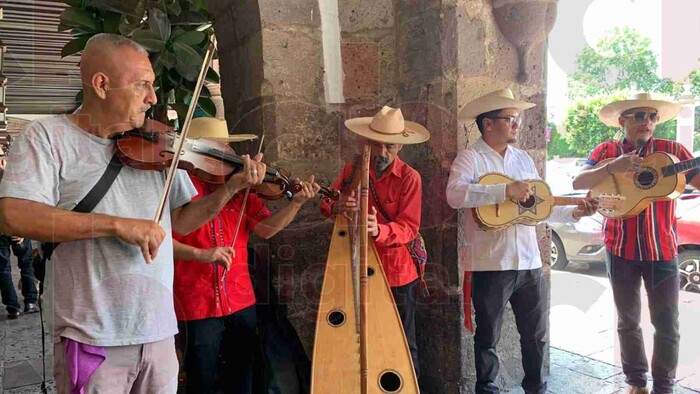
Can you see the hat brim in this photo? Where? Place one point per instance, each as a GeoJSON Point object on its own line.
{"type": "Point", "coordinates": [487, 104]}
{"type": "Point", "coordinates": [414, 133]}
{"type": "Point", "coordinates": [232, 138]}
{"type": "Point", "coordinates": [610, 114]}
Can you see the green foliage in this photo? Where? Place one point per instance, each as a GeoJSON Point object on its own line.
{"type": "Point", "coordinates": [558, 144]}
{"type": "Point", "coordinates": [584, 128]}
{"type": "Point", "coordinates": [666, 130]}
{"type": "Point", "coordinates": [694, 79]}
{"type": "Point", "coordinates": [620, 61]}
{"type": "Point", "coordinates": [175, 33]}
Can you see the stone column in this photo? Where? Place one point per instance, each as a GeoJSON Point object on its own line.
{"type": "Point", "coordinates": [272, 82]}
{"type": "Point", "coordinates": [449, 53]}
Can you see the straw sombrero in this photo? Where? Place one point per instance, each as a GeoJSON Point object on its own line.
{"type": "Point", "coordinates": [389, 127]}
{"type": "Point", "coordinates": [216, 130]}
{"type": "Point", "coordinates": [499, 99]}
{"type": "Point", "coordinates": [667, 110]}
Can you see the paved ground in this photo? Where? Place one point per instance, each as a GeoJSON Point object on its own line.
{"type": "Point", "coordinates": [583, 323]}
{"type": "Point", "coordinates": [20, 351]}
{"type": "Point", "coordinates": [583, 355]}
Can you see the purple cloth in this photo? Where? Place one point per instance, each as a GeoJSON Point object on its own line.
{"type": "Point", "coordinates": [82, 361]}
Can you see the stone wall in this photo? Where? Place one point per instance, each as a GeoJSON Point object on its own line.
{"type": "Point", "coordinates": [430, 57]}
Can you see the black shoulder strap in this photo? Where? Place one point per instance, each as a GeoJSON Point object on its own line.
{"type": "Point", "coordinates": [94, 196]}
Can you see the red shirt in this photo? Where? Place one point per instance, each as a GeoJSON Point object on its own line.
{"type": "Point", "coordinates": [651, 235]}
{"type": "Point", "coordinates": [199, 290]}
{"type": "Point", "coordinates": [399, 190]}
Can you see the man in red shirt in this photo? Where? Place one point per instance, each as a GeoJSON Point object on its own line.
{"type": "Point", "coordinates": [395, 202]}
{"type": "Point", "coordinates": [643, 247]}
{"type": "Point", "coordinates": [214, 297]}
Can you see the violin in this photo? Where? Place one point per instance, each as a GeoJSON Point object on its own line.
{"type": "Point", "coordinates": [152, 148]}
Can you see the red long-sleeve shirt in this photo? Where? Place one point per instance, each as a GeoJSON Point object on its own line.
{"type": "Point", "coordinates": [399, 190]}
{"type": "Point", "coordinates": [200, 289]}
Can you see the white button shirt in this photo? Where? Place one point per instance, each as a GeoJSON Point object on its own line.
{"type": "Point", "coordinates": [513, 248]}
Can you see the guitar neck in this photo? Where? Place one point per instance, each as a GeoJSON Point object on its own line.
{"type": "Point", "coordinates": [681, 167]}
{"type": "Point", "coordinates": [567, 200]}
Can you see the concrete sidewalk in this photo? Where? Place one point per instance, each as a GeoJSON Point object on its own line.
{"type": "Point", "coordinates": [20, 365]}
{"type": "Point", "coordinates": [582, 336]}
{"type": "Point", "coordinates": [583, 324]}
{"type": "Point", "coordinates": [575, 374]}
{"type": "Point", "coordinates": [20, 355]}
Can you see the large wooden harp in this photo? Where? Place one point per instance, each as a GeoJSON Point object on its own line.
{"type": "Point", "coordinates": [360, 346]}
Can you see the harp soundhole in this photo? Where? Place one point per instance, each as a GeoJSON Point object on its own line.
{"type": "Point", "coordinates": [343, 233]}
{"type": "Point", "coordinates": [370, 271]}
{"type": "Point", "coordinates": [390, 382]}
{"type": "Point", "coordinates": [336, 318]}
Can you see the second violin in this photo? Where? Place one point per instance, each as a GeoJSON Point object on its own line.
{"type": "Point", "coordinates": [152, 148]}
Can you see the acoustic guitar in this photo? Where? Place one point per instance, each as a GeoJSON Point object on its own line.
{"type": "Point", "coordinates": [535, 210]}
{"type": "Point", "coordinates": [660, 177]}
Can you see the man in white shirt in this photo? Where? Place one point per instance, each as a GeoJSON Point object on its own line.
{"type": "Point", "coordinates": [507, 266]}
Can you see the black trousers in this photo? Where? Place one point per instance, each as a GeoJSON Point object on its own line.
{"type": "Point", "coordinates": [234, 337]}
{"type": "Point", "coordinates": [23, 251]}
{"type": "Point", "coordinates": [405, 299]}
{"type": "Point", "coordinates": [662, 282]}
{"type": "Point", "coordinates": [526, 291]}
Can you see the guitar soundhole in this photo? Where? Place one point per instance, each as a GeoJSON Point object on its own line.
{"type": "Point", "coordinates": [529, 203]}
{"type": "Point", "coordinates": [370, 271]}
{"type": "Point", "coordinates": [646, 178]}
{"type": "Point", "coordinates": [336, 318]}
{"type": "Point", "coordinates": [390, 382]}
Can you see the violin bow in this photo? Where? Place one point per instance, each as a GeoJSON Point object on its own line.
{"type": "Point", "coordinates": [208, 56]}
{"type": "Point", "coordinates": [241, 214]}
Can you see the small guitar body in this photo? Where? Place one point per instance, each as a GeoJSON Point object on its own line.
{"type": "Point", "coordinates": [536, 209]}
{"type": "Point", "coordinates": [643, 187]}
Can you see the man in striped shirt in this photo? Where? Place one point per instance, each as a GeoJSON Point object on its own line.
{"type": "Point", "coordinates": [643, 247]}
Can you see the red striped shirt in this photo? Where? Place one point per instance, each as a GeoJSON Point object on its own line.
{"type": "Point", "coordinates": [651, 235]}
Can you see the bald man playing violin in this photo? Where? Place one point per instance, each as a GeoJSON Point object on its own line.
{"type": "Point", "coordinates": [109, 282]}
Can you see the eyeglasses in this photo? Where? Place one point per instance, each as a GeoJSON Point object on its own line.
{"type": "Point", "coordinates": [512, 120]}
{"type": "Point", "coordinates": [641, 116]}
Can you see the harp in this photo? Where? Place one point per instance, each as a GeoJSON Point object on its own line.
{"type": "Point", "coordinates": [360, 345]}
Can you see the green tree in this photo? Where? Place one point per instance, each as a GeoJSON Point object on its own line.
{"type": "Point", "coordinates": [694, 78]}
{"type": "Point", "coordinates": [583, 126]}
{"type": "Point", "coordinates": [620, 61]}
{"type": "Point", "coordinates": [558, 144]}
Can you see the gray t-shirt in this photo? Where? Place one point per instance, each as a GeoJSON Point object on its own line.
{"type": "Point", "coordinates": [102, 290]}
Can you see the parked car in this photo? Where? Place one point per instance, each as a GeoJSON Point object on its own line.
{"type": "Point", "coordinates": [583, 241]}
